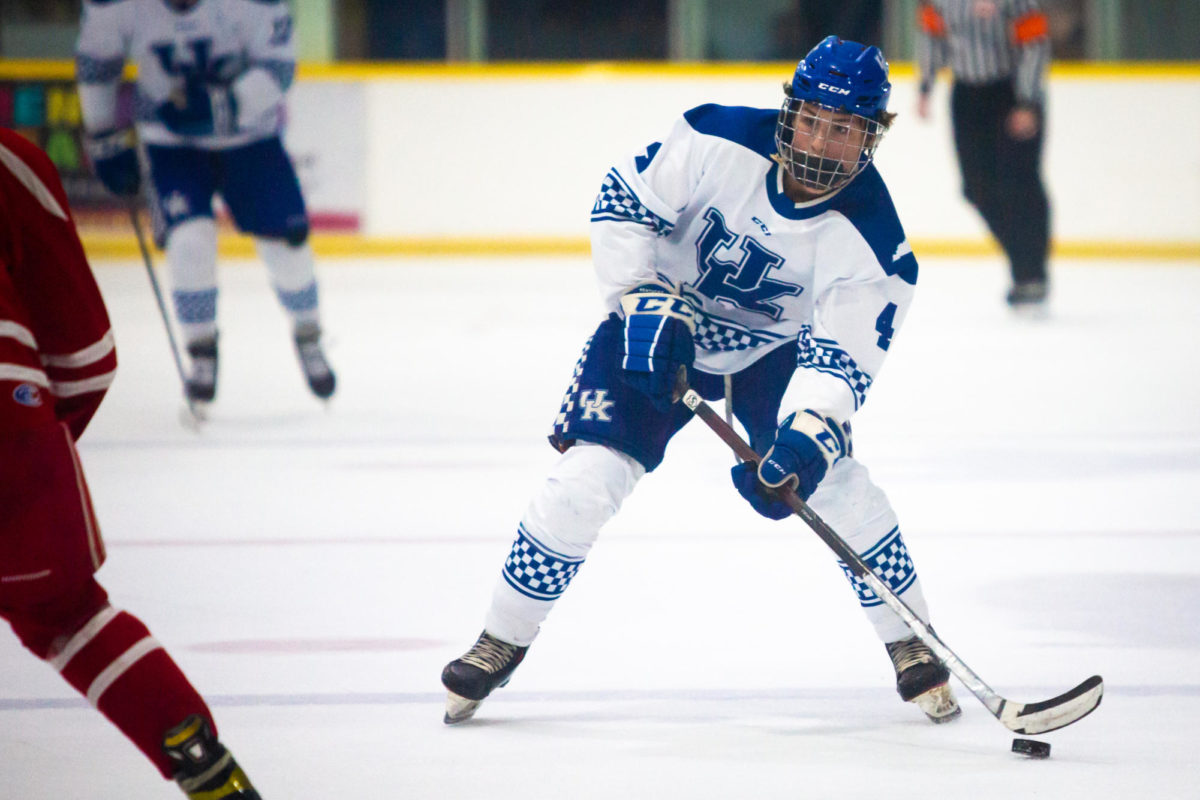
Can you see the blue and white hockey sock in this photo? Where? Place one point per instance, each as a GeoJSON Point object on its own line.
{"type": "Point", "coordinates": [293, 277]}
{"type": "Point", "coordinates": [888, 558]}
{"type": "Point", "coordinates": [859, 511]}
{"type": "Point", "coordinates": [192, 262]}
{"type": "Point", "coordinates": [584, 490]}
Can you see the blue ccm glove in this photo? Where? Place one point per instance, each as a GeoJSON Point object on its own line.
{"type": "Point", "coordinates": [658, 341]}
{"type": "Point", "coordinates": [199, 108]}
{"type": "Point", "coordinates": [806, 446]}
{"type": "Point", "coordinates": [115, 160]}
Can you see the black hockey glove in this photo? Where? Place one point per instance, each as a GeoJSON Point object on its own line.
{"type": "Point", "coordinates": [114, 159]}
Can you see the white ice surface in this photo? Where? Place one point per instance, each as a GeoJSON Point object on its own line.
{"type": "Point", "coordinates": [312, 570]}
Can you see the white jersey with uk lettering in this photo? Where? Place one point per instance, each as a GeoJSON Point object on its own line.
{"type": "Point", "coordinates": [704, 212]}
{"type": "Point", "coordinates": [244, 44]}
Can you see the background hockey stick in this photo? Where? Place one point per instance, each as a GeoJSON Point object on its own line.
{"type": "Point", "coordinates": [1027, 718]}
{"type": "Point", "coordinates": [162, 308]}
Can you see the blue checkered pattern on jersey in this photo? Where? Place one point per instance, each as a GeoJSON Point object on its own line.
{"type": "Point", "coordinates": [98, 70]}
{"type": "Point", "coordinates": [889, 560]}
{"type": "Point", "coordinates": [537, 572]}
{"type": "Point", "coordinates": [714, 333]}
{"type": "Point", "coordinates": [619, 203]}
{"type": "Point", "coordinates": [194, 307]}
{"type": "Point", "coordinates": [301, 300]}
{"type": "Point", "coordinates": [824, 355]}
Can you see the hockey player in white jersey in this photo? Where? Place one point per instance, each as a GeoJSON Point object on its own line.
{"type": "Point", "coordinates": [755, 248]}
{"type": "Point", "coordinates": [212, 76]}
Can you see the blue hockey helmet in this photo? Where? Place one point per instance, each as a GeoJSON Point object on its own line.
{"type": "Point", "coordinates": [844, 75]}
{"type": "Point", "coordinates": [834, 114]}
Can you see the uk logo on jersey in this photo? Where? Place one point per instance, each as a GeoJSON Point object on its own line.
{"type": "Point", "coordinates": [744, 282]}
{"type": "Point", "coordinates": [28, 395]}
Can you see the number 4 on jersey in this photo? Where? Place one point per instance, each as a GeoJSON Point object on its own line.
{"type": "Point", "coordinates": [884, 325]}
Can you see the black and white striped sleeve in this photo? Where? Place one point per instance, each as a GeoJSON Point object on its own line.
{"type": "Point", "coordinates": [1030, 37]}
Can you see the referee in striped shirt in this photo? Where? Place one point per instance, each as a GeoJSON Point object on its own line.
{"type": "Point", "coordinates": [998, 51]}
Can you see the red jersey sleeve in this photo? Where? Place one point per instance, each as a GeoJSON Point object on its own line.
{"type": "Point", "coordinates": [55, 309]}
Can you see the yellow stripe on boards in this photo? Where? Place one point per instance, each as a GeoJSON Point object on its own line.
{"type": "Point", "coordinates": [112, 246]}
{"type": "Point", "coordinates": [58, 70]}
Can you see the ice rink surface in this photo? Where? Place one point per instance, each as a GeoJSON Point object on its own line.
{"type": "Point", "coordinates": [313, 569]}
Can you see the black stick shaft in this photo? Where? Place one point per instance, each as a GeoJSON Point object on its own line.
{"type": "Point", "coordinates": [158, 295]}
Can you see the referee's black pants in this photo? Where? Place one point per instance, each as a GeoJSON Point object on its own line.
{"type": "Point", "coordinates": [1002, 176]}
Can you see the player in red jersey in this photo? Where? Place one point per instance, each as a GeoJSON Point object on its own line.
{"type": "Point", "coordinates": [57, 360]}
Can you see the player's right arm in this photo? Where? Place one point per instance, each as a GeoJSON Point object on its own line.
{"type": "Point", "coordinates": [639, 203]}
{"type": "Point", "coordinates": [100, 52]}
{"type": "Point", "coordinates": [63, 331]}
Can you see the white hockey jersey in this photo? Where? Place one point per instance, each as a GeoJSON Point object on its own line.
{"type": "Point", "coordinates": [704, 212]}
{"type": "Point", "coordinates": [247, 43]}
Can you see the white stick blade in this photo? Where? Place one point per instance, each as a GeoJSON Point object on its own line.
{"type": "Point", "coordinates": [1050, 715]}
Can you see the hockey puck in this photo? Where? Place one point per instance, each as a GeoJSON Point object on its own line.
{"type": "Point", "coordinates": [1031, 748]}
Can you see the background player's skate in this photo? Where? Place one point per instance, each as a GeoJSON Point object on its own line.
{"type": "Point", "coordinates": [320, 378]}
{"type": "Point", "coordinates": [206, 770]}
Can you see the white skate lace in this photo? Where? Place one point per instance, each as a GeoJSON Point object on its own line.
{"type": "Point", "coordinates": [909, 653]}
{"type": "Point", "coordinates": [490, 655]}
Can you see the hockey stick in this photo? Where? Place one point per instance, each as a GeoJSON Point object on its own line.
{"type": "Point", "coordinates": [162, 308]}
{"type": "Point", "coordinates": [1027, 718]}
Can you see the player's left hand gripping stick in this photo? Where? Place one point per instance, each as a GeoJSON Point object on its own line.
{"type": "Point", "coordinates": [806, 446]}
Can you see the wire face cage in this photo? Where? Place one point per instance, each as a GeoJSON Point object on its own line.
{"type": "Point", "coordinates": [822, 147]}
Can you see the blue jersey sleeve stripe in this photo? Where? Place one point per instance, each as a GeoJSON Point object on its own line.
{"type": "Point", "coordinates": [618, 202]}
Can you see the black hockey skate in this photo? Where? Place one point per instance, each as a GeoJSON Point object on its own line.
{"type": "Point", "coordinates": [923, 679]}
{"type": "Point", "coordinates": [205, 769]}
{"type": "Point", "coordinates": [320, 377]}
{"type": "Point", "coordinates": [1028, 298]}
{"type": "Point", "coordinates": [201, 387]}
{"type": "Point", "coordinates": [486, 666]}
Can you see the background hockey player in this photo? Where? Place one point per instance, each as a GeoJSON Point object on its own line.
{"type": "Point", "coordinates": [57, 360]}
{"type": "Point", "coordinates": [212, 75]}
{"type": "Point", "coordinates": [758, 247]}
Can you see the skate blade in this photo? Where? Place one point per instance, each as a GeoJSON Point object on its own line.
{"type": "Point", "coordinates": [194, 414]}
{"type": "Point", "coordinates": [1035, 312]}
{"type": "Point", "coordinates": [939, 704]}
{"type": "Point", "coordinates": [459, 709]}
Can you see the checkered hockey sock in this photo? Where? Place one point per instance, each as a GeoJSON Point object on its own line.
{"type": "Point", "coordinates": [923, 679]}
{"type": "Point", "coordinates": [486, 666]}
{"type": "Point", "coordinates": [205, 770]}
